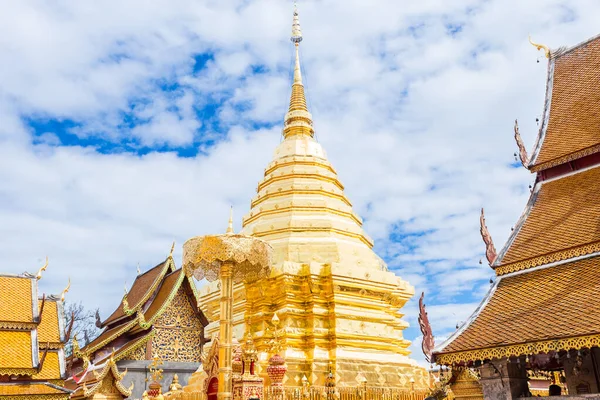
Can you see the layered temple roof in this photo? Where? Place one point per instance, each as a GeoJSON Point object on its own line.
{"type": "Point", "coordinates": [130, 332]}
{"type": "Point", "coordinates": [571, 118]}
{"type": "Point", "coordinates": [32, 336]}
{"type": "Point", "coordinates": [549, 269]}
{"type": "Point", "coordinates": [102, 381]}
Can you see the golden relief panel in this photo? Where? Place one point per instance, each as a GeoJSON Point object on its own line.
{"type": "Point", "coordinates": [138, 354]}
{"type": "Point", "coordinates": [179, 333]}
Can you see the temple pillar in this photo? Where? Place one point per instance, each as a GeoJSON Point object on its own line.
{"type": "Point", "coordinates": [501, 380]}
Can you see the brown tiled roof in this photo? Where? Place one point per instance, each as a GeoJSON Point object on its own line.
{"type": "Point", "coordinates": [544, 304]}
{"type": "Point", "coordinates": [139, 290]}
{"type": "Point", "coordinates": [48, 329]}
{"type": "Point", "coordinates": [16, 300]}
{"type": "Point", "coordinates": [108, 335]}
{"type": "Point", "coordinates": [125, 349]}
{"type": "Point", "coordinates": [573, 127]}
{"type": "Point", "coordinates": [565, 215]}
{"type": "Point", "coordinates": [169, 285]}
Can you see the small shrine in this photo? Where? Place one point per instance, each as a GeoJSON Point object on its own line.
{"type": "Point", "coordinates": [102, 382]}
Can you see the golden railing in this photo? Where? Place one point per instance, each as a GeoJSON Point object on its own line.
{"type": "Point", "coordinates": [347, 393]}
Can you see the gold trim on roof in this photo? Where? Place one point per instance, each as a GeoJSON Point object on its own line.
{"type": "Point", "coordinates": [147, 324]}
{"type": "Point", "coordinates": [500, 352]}
{"type": "Point", "coordinates": [548, 258]}
{"type": "Point", "coordinates": [118, 332]}
{"type": "Point", "coordinates": [132, 310]}
{"type": "Point", "coordinates": [18, 371]}
{"type": "Point", "coordinates": [17, 325]}
{"type": "Point", "coordinates": [565, 159]}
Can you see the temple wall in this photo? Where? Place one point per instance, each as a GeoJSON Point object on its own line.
{"type": "Point", "coordinates": [179, 332]}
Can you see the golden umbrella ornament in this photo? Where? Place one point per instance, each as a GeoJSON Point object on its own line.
{"type": "Point", "coordinates": [231, 258]}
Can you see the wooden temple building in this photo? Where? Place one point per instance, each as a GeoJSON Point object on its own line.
{"type": "Point", "coordinates": [541, 313]}
{"type": "Point", "coordinates": [157, 319]}
{"type": "Point", "coordinates": [339, 305]}
{"type": "Point", "coordinates": [32, 339]}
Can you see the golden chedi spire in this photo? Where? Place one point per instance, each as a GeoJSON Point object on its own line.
{"type": "Point", "coordinates": [298, 120]}
{"type": "Point", "coordinates": [300, 199]}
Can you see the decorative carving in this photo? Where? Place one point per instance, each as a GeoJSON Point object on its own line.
{"type": "Point", "coordinates": [522, 150]}
{"type": "Point", "coordinates": [64, 292]}
{"type": "Point", "coordinates": [98, 320]}
{"type": "Point", "coordinates": [178, 331]}
{"type": "Point", "coordinates": [518, 350]}
{"type": "Point", "coordinates": [38, 276]}
{"type": "Point", "coordinates": [428, 341]}
{"type": "Point", "coordinates": [203, 257]}
{"type": "Point", "coordinates": [546, 49]}
{"type": "Point", "coordinates": [490, 250]}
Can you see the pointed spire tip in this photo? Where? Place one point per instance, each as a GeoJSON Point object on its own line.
{"type": "Point", "coordinates": [230, 225]}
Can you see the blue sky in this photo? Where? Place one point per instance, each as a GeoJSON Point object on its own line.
{"type": "Point", "coordinates": [127, 125]}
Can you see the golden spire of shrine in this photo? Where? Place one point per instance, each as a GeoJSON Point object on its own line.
{"type": "Point", "coordinates": [229, 230]}
{"type": "Point", "coordinates": [298, 120]}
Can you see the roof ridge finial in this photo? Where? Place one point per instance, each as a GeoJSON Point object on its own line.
{"type": "Point", "coordinates": [39, 273]}
{"type": "Point", "coordinates": [229, 230]}
{"type": "Point", "coordinates": [540, 47]}
{"type": "Point", "coordinates": [64, 292]}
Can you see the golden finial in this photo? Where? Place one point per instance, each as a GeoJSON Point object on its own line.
{"type": "Point", "coordinates": [229, 230]}
{"type": "Point", "coordinates": [172, 249]}
{"type": "Point", "coordinates": [540, 47]}
{"type": "Point", "coordinates": [296, 31]}
{"type": "Point", "coordinates": [139, 271]}
{"type": "Point", "coordinates": [39, 273]}
{"type": "Point", "coordinates": [62, 295]}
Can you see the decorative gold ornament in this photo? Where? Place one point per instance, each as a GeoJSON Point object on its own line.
{"type": "Point", "coordinates": [540, 47]}
{"type": "Point", "coordinates": [38, 276]}
{"type": "Point", "coordinates": [64, 292]}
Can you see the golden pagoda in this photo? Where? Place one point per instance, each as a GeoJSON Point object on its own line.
{"type": "Point", "coordinates": [32, 338]}
{"type": "Point", "coordinates": [540, 318]}
{"type": "Point", "coordinates": [337, 302]}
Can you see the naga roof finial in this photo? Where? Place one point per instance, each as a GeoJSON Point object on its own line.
{"type": "Point", "coordinates": [428, 341]}
{"type": "Point", "coordinates": [522, 150]}
{"type": "Point", "coordinates": [172, 249]}
{"type": "Point", "coordinates": [540, 47]}
{"type": "Point", "coordinates": [62, 295]}
{"type": "Point", "coordinates": [38, 276]}
{"type": "Point", "coordinates": [229, 230]}
{"type": "Point", "coordinates": [490, 250]}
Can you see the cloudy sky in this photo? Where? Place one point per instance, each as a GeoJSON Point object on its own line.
{"type": "Point", "coordinates": [125, 125]}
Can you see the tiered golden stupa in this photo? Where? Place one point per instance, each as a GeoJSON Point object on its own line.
{"type": "Point", "coordinates": [338, 303]}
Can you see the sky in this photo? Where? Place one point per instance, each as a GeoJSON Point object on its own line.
{"type": "Point", "coordinates": [125, 126]}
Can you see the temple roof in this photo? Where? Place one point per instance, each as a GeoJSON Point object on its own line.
{"type": "Point", "coordinates": [560, 221]}
{"type": "Point", "coordinates": [49, 329]}
{"type": "Point", "coordinates": [16, 350]}
{"type": "Point", "coordinates": [133, 319]}
{"type": "Point", "coordinates": [571, 122]}
{"type": "Point", "coordinates": [18, 298]}
{"type": "Point", "coordinates": [101, 379]}
{"type": "Point", "coordinates": [31, 390]}
{"type": "Point", "coordinates": [533, 311]}
{"type": "Point", "coordinates": [142, 288]}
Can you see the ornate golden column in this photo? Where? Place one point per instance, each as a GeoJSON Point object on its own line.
{"type": "Point", "coordinates": [225, 389]}
{"type": "Point", "coordinates": [232, 259]}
